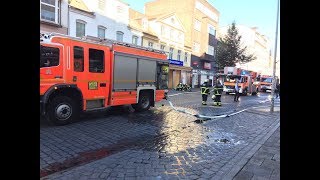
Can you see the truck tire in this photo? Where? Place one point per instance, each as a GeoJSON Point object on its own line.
{"type": "Point", "coordinates": [227, 93]}
{"type": "Point", "coordinates": [144, 102]}
{"type": "Point", "coordinates": [62, 110]}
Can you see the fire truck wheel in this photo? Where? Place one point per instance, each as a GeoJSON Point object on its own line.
{"type": "Point", "coordinates": [62, 110]}
{"type": "Point", "coordinates": [143, 104]}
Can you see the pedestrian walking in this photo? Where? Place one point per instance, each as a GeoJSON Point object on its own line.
{"type": "Point", "coordinates": [205, 91]}
{"type": "Point", "coordinates": [217, 92]}
{"type": "Point", "coordinates": [277, 90]}
{"type": "Point", "coordinates": [236, 88]}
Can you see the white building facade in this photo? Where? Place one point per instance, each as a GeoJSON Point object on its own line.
{"type": "Point", "coordinates": [54, 16]}
{"type": "Point", "coordinates": [102, 18]}
{"type": "Point", "coordinates": [258, 45]}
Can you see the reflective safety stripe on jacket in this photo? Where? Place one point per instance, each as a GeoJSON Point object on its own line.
{"type": "Point", "coordinates": [217, 90]}
{"type": "Point", "coordinates": [204, 90]}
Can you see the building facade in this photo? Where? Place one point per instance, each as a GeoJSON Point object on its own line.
{"type": "Point", "coordinates": [102, 18]}
{"type": "Point", "coordinates": [166, 32]}
{"type": "Point", "coordinates": [54, 16]}
{"type": "Point", "coordinates": [200, 20]}
{"type": "Point", "coordinates": [171, 34]}
{"type": "Point", "coordinates": [258, 45]}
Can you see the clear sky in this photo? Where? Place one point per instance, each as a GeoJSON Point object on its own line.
{"type": "Point", "coordinates": [252, 13]}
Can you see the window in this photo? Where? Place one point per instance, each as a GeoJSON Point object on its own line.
{"type": "Point", "coordinates": [101, 32]}
{"type": "Point", "coordinates": [80, 28]}
{"type": "Point", "coordinates": [171, 33]}
{"type": "Point", "coordinates": [179, 55]}
{"type": "Point", "coordinates": [49, 56]}
{"type": "Point", "coordinates": [150, 44]}
{"type": "Point", "coordinates": [101, 4]}
{"type": "Point", "coordinates": [180, 36]}
{"type": "Point", "coordinates": [50, 10]}
{"type": "Point", "coordinates": [144, 23]}
{"type": "Point", "coordinates": [162, 76]}
{"type": "Point", "coordinates": [197, 25]}
{"type": "Point", "coordinates": [212, 30]}
{"type": "Point", "coordinates": [78, 59]}
{"type": "Point", "coordinates": [185, 57]}
{"type": "Point", "coordinates": [135, 40]}
{"type": "Point", "coordinates": [120, 36]}
{"type": "Point", "coordinates": [166, 32]}
{"type": "Point", "coordinates": [196, 47]}
{"type": "Point", "coordinates": [211, 50]}
{"type": "Point", "coordinates": [162, 47]}
{"type": "Point", "coordinates": [171, 53]}
{"type": "Point", "coordinates": [96, 61]}
{"type": "Point", "coordinates": [162, 30]}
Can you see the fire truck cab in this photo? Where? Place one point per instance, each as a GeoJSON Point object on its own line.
{"type": "Point", "coordinates": [265, 83]}
{"type": "Point", "coordinates": [85, 74]}
{"type": "Point", "coordinates": [246, 84]}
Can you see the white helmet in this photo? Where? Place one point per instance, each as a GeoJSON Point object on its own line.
{"type": "Point", "coordinates": [207, 80]}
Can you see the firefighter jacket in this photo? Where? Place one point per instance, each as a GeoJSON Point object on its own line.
{"type": "Point", "coordinates": [217, 89]}
{"type": "Point", "coordinates": [204, 88]}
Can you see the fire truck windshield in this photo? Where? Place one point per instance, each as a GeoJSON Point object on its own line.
{"type": "Point", "coordinates": [268, 80]}
{"type": "Point", "coordinates": [232, 78]}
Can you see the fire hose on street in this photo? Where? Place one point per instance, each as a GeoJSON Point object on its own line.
{"type": "Point", "coordinates": [201, 118]}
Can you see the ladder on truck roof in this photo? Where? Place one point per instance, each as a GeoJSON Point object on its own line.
{"type": "Point", "coordinates": [97, 40]}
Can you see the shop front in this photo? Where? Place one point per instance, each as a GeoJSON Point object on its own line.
{"type": "Point", "coordinates": [178, 73]}
{"type": "Point", "coordinates": [199, 76]}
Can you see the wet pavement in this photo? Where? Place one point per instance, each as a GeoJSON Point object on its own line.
{"type": "Point", "coordinates": [158, 144]}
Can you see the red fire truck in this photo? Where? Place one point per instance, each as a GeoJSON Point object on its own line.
{"type": "Point", "coordinates": [265, 83]}
{"type": "Point", "coordinates": [246, 81]}
{"type": "Point", "coordinates": [84, 74]}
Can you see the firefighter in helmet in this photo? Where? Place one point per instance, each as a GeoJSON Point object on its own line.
{"type": "Point", "coordinates": [205, 91]}
{"type": "Point", "coordinates": [217, 92]}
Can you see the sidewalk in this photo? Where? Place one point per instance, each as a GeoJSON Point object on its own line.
{"type": "Point", "coordinates": [265, 163]}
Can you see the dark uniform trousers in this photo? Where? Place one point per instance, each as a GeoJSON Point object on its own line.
{"type": "Point", "coordinates": [204, 92]}
{"type": "Point", "coordinates": [217, 91]}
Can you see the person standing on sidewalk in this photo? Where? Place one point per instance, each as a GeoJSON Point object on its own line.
{"type": "Point", "coordinates": [236, 88]}
{"type": "Point", "coordinates": [205, 91]}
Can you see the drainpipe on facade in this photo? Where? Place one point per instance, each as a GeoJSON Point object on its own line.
{"type": "Point", "coordinates": [68, 29]}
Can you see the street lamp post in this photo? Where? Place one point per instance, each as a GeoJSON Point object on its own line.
{"type": "Point", "coordinates": [274, 64]}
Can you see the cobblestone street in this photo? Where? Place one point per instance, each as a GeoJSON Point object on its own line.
{"type": "Point", "coordinates": [165, 144]}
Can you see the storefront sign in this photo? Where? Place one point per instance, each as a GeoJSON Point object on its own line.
{"type": "Point", "coordinates": [206, 65]}
{"type": "Point", "coordinates": [175, 62]}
